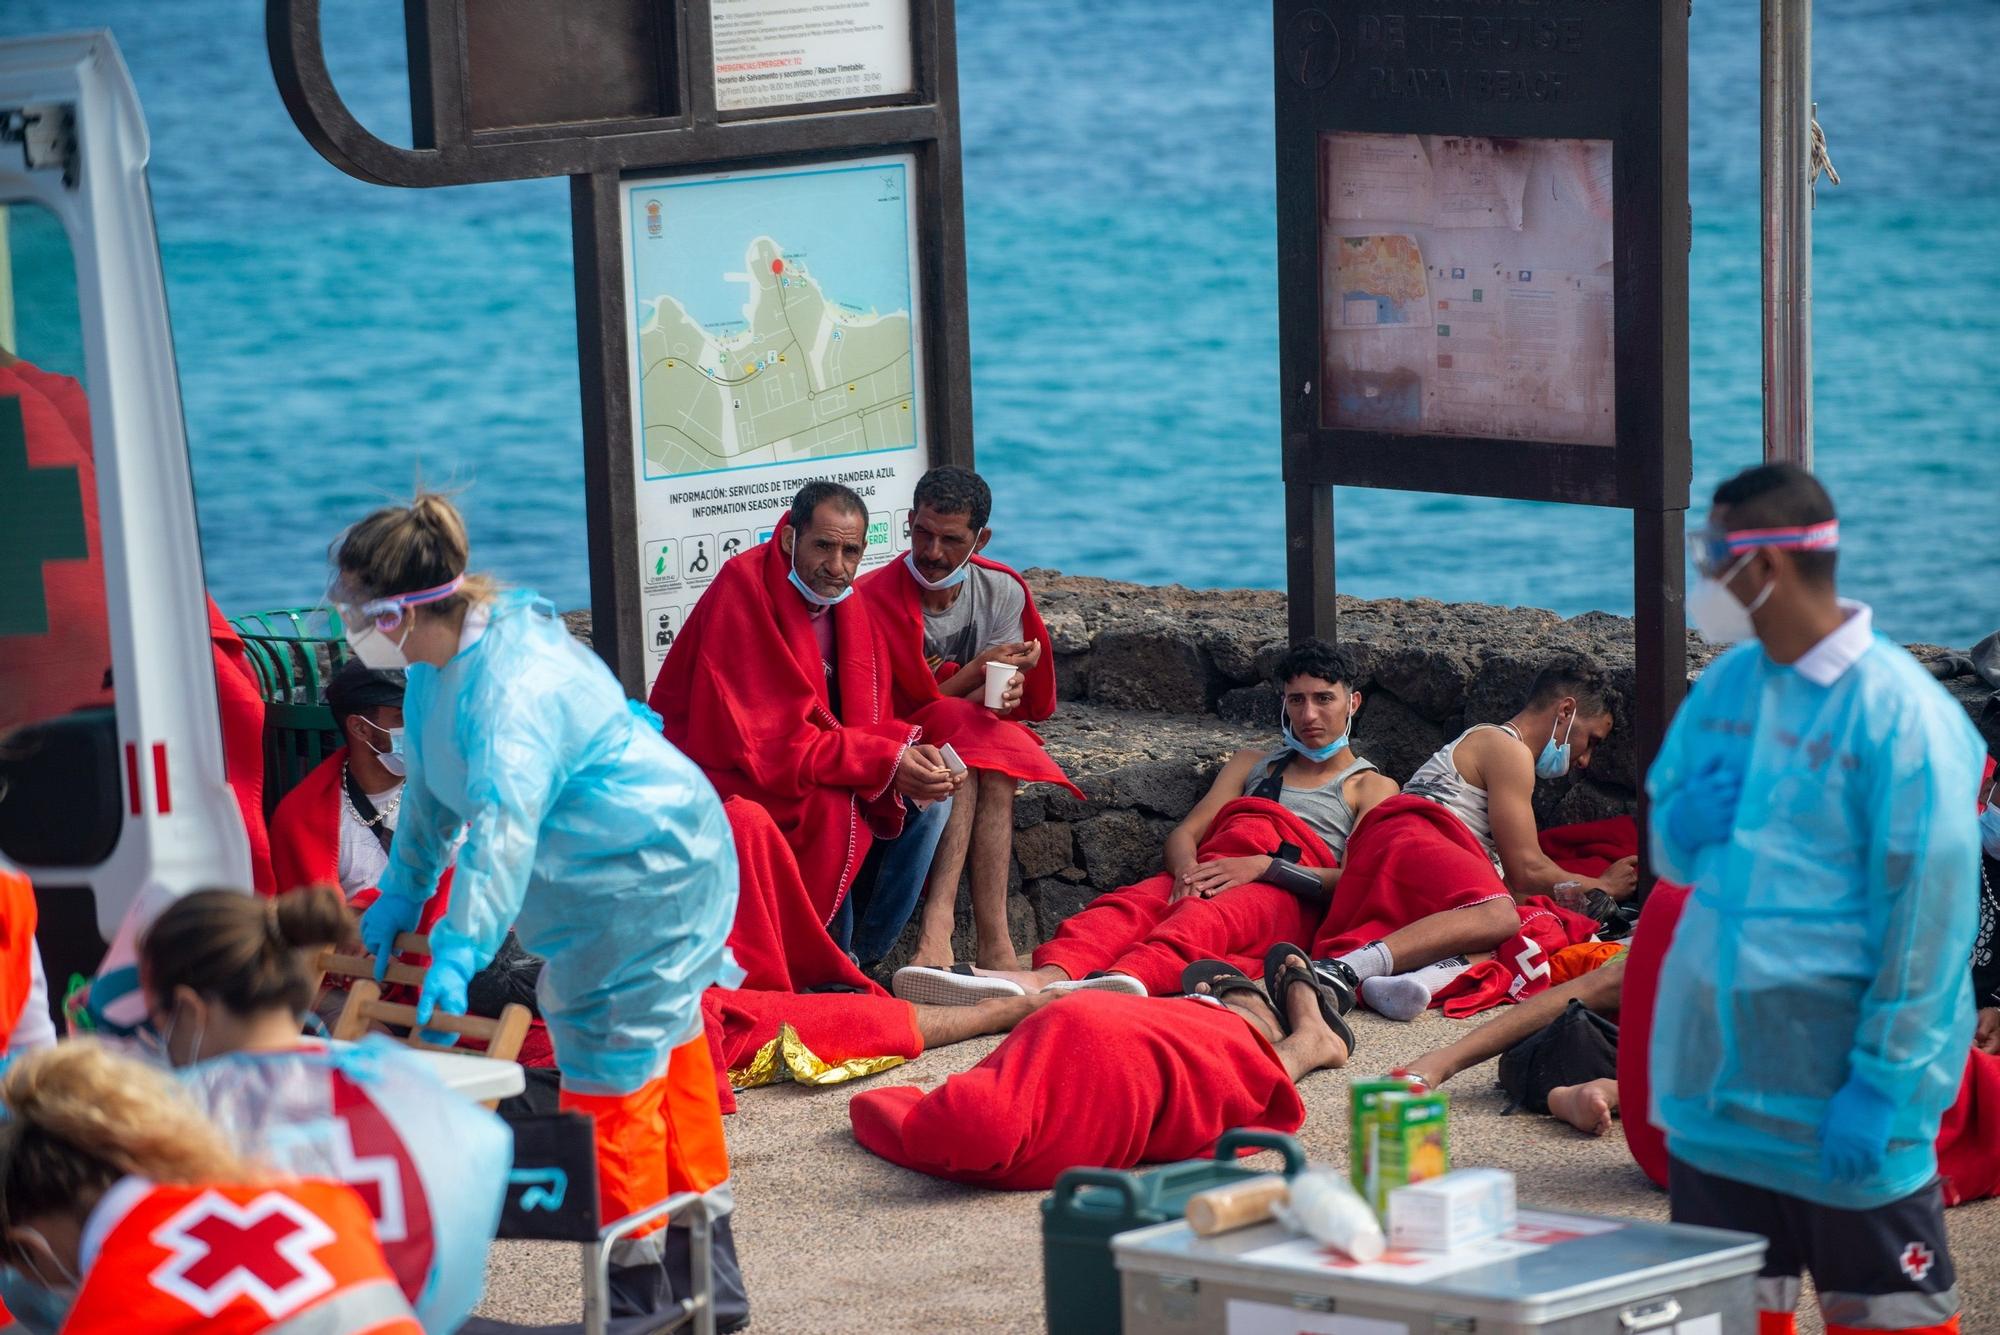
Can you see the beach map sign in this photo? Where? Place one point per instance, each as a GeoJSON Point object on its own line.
{"type": "Point", "coordinates": [776, 340]}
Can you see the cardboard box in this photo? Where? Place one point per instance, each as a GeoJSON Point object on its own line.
{"type": "Point", "coordinates": [1460, 1208]}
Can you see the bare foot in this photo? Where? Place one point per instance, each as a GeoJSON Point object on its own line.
{"type": "Point", "coordinates": [1586, 1107]}
{"type": "Point", "coordinates": [1030, 981]}
{"type": "Point", "coordinates": [1316, 1042]}
{"type": "Point", "coordinates": [932, 952]}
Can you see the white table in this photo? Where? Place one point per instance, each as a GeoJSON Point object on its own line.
{"type": "Point", "coordinates": [481, 1079]}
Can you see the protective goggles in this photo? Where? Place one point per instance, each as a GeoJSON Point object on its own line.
{"type": "Point", "coordinates": [386, 613]}
{"type": "Point", "coordinates": [1716, 550]}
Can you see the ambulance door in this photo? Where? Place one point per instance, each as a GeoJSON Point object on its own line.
{"type": "Point", "coordinates": [112, 793]}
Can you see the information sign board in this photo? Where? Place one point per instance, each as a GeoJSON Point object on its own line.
{"type": "Point", "coordinates": [781, 53]}
{"type": "Point", "coordinates": [777, 338]}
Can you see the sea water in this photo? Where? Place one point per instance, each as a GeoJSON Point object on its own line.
{"type": "Point", "coordinates": [338, 340]}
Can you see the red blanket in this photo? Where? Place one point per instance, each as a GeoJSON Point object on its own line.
{"type": "Point", "coordinates": [242, 704]}
{"type": "Point", "coordinates": [744, 695]}
{"type": "Point", "coordinates": [784, 950]}
{"type": "Point", "coordinates": [1407, 859]}
{"type": "Point", "coordinates": [1137, 931]}
{"type": "Point", "coordinates": [983, 739]}
{"type": "Point", "coordinates": [305, 840]}
{"type": "Point", "coordinates": [1590, 848]}
{"type": "Point", "coordinates": [1520, 966]}
{"type": "Point", "coordinates": [1094, 1079]}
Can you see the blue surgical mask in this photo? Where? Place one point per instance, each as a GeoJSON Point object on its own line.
{"type": "Point", "coordinates": [807, 592]}
{"type": "Point", "coordinates": [1989, 829]}
{"type": "Point", "coordinates": [951, 581]}
{"type": "Point", "coordinates": [1317, 754]}
{"type": "Point", "coordinates": [1553, 762]}
{"type": "Point", "coordinates": [392, 759]}
{"type": "Point", "coordinates": [36, 1309]}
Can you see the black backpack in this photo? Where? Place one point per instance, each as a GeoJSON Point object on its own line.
{"type": "Point", "coordinates": [1578, 1046]}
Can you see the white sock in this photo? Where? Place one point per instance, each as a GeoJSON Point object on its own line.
{"type": "Point", "coordinates": [1405, 996]}
{"type": "Point", "coordinates": [1371, 961]}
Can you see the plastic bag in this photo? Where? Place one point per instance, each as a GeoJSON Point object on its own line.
{"type": "Point", "coordinates": [1324, 1206]}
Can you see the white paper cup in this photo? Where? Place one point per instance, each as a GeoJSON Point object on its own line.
{"type": "Point", "coordinates": [997, 677]}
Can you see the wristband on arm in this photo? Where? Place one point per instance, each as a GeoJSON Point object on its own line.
{"type": "Point", "coordinates": [1285, 873]}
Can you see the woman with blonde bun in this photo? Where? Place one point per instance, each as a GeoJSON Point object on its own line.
{"type": "Point", "coordinates": [584, 830]}
{"type": "Point", "coordinates": [118, 1196]}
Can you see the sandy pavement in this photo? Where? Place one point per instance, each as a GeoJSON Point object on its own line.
{"type": "Point", "coordinates": [834, 1240]}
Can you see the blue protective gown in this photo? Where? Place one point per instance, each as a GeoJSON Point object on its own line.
{"type": "Point", "coordinates": [584, 828]}
{"type": "Point", "coordinates": [1831, 932]}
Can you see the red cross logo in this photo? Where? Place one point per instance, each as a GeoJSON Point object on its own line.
{"type": "Point", "coordinates": [262, 1250]}
{"type": "Point", "coordinates": [1917, 1261]}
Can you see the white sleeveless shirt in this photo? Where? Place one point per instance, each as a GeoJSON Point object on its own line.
{"type": "Point", "coordinates": [1439, 780]}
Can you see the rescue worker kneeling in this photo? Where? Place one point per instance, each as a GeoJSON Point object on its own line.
{"type": "Point", "coordinates": [118, 1200]}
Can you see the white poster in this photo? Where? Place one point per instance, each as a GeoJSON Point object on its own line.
{"type": "Point", "coordinates": [1466, 287]}
{"type": "Point", "coordinates": [778, 53]}
{"type": "Point", "coordinates": [776, 341]}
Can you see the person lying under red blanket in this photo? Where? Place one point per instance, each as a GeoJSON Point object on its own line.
{"type": "Point", "coordinates": [1251, 865]}
{"type": "Point", "coordinates": [795, 978]}
{"type": "Point", "coordinates": [1106, 1080]}
{"type": "Point", "coordinates": [945, 613]}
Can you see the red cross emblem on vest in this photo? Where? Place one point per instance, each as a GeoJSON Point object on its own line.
{"type": "Point", "coordinates": [261, 1250]}
{"type": "Point", "coordinates": [1917, 1260]}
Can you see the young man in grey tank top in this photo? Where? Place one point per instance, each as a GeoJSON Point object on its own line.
{"type": "Point", "coordinates": [1136, 939]}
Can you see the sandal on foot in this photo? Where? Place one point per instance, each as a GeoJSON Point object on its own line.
{"type": "Point", "coordinates": [1285, 965]}
{"type": "Point", "coordinates": [922, 985]}
{"type": "Point", "coordinates": [1222, 979]}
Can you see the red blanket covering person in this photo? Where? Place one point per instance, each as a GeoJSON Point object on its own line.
{"type": "Point", "coordinates": [1409, 858]}
{"type": "Point", "coordinates": [305, 840]}
{"type": "Point", "coordinates": [1096, 1079]}
{"type": "Point", "coordinates": [785, 952]}
{"type": "Point", "coordinates": [1139, 932]}
{"type": "Point", "coordinates": [982, 738]}
{"type": "Point", "coordinates": [744, 695]}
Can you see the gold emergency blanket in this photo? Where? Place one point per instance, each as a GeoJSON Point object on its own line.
{"type": "Point", "coordinates": [786, 1057]}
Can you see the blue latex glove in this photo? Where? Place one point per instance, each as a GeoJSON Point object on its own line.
{"type": "Point", "coordinates": [452, 967]}
{"type": "Point", "coordinates": [1704, 811]}
{"type": "Point", "coordinates": [1855, 1132]}
{"type": "Point", "coordinates": [381, 923]}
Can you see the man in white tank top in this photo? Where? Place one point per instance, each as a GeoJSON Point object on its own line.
{"type": "Point", "coordinates": [1486, 778]}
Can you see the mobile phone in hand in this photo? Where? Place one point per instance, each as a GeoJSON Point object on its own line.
{"type": "Point", "coordinates": [951, 760]}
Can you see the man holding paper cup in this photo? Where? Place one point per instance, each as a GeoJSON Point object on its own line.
{"type": "Point", "coordinates": [972, 666]}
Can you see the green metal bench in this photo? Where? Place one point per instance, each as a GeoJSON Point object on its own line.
{"type": "Point", "coordinates": [294, 652]}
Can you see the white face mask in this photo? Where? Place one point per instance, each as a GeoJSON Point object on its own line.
{"type": "Point", "coordinates": [1714, 611]}
{"type": "Point", "coordinates": [391, 759]}
{"type": "Point", "coordinates": [375, 649]}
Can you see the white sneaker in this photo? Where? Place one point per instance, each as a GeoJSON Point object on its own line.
{"type": "Point", "coordinates": [1110, 982]}
{"type": "Point", "coordinates": [957, 986]}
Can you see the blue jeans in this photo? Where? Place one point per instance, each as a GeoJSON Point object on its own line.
{"type": "Point", "coordinates": [885, 907]}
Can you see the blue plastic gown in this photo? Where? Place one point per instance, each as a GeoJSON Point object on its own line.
{"type": "Point", "coordinates": [432, 1165]}
{"type": "Point", "coordinates": [1831, 932]}
{"type": "Point", "coordinates": [584, 828]}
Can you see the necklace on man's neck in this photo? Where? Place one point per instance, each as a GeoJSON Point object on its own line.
{"type": "Point", "coordinates": [347, 800]}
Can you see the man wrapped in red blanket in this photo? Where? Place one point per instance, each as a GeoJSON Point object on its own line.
{"type": "Point", "coordinates": [779, 687]}
{"type": "Point", "coordinates": [951, 618]}
{"type": "Point", "coordinates": [1453, 869]}
{"type": "Point", "coordinates": [1250, 866]}
{"type": "Point", "coordinates": [1114, 1081]}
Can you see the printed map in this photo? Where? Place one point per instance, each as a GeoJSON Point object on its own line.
{"type": "Point", "coordinates": [774, 318]}
{"type": "Point", "coordinates": [1380, 280]}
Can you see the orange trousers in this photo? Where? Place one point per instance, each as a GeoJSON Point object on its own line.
{"type": "Point", "coordinates": [662, 1138]}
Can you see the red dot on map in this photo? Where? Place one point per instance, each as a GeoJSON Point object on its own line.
{"type": "Point", "coordinates": [777, 266]}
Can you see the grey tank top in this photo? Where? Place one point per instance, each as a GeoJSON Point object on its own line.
{"type": "Point", "coordinates": [1324, 808]}
{"type": "Point", "coordinates": [1438, 779]}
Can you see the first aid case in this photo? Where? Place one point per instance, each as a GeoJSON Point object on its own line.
{"type": "Point", "coordinates": [1550, 1274]}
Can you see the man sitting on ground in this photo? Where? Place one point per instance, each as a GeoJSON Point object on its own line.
{"type": "Point", "coordinates": [1117, 1081]}
{"type": "Point", "coordinates": [1253, 864]}
{"type": "Point", "coordinates": [778, 686]}
{"type": "Point", "coordinates": [1452, 868]}
{"type": "Point", "coordinates": [946, 612]}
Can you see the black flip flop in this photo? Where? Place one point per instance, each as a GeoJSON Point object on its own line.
{"type": "Point", "coordinates": [1286, 964]}
{"type": "Point", "coordinates": [1346, 994]}
{"type": "Point", "coordinates": [1222, 979]}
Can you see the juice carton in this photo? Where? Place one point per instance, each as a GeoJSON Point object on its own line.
{"type": "Point", "coordinates": [1364, 1100]}
{"type": "Point", "coordinates": [1403, 1138]}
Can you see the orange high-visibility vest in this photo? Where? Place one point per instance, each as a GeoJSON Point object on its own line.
{"type": "Point", "coordinates": [17, 950]}
{"type": "Point", "coordinates": [285, 1258]}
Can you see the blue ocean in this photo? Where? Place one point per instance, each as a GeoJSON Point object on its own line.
{"type": "Point", "coordinates": [338, 342]}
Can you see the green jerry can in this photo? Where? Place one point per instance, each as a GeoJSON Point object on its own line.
{"type": "Point", "coordinates": [1090, 1205]}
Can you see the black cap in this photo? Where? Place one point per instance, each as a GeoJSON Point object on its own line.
{"type": "Point", "coordinates": [357, 687]}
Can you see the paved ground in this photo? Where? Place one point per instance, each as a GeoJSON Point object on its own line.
{"type": "Point", "coordinates": [834, 1240]}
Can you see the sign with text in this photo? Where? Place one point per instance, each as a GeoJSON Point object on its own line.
{"type": "Point", "coordinates": [777, 338]}
{"type": "Point", "coordinates": [780, 53]}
